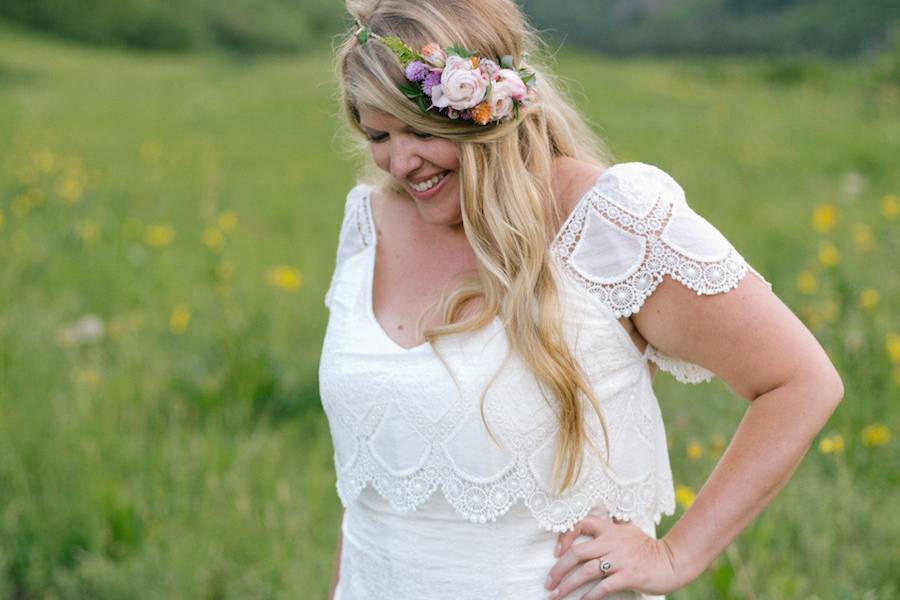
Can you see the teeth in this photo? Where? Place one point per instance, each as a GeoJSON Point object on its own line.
{"type": "Point", "coordinates": [427, 185]}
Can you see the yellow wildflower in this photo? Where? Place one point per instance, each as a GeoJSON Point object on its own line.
{"type": "Point", "coordinates": [892, 345]}
{"type": "Point", "coordinates": [824, 217]}
{"type": "Point", "coordinates": [284, 277]}
{"type": "Point", "coordinates": [868, 298]}
{"type": "Point", "coordinates": [694, 450]}
{"type": "Point", "coordinates": [684, 496]}
{"type": "Point", "coordinates": [179, 319]}
{"type": "Point", "coordinates": [806, 281]}
{"type": "Point", "coordinates": [862, 235]}
{"type": "Point", "coordinates": [829, 254]}
{"type": "Point", "coordinates": [832, 444]}
{"type": "Point", "coordinates": [213, 238]}
{"type": "Point", "coordinates": [875, 434]}
{"type": "Point", "coordinates": [717, 446]}
{"type": "Point", "coordinates": [45, 161]}
{"type": "Point", "coordinates": [87, 377]}
{"type": "Point", "coordinates": [88, 231]}
{"type": "Point", "coordinates": [159, 235]}
{"type": "Point", "coordinates": [70, 189]}
{"type": "Point", "coordinates": [151, 150]}
{"type": "Point", "coordinates": [890, 206]}
{"type": "Point", "coordinates": [227, 221]}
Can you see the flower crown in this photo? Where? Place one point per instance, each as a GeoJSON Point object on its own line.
{"type": "Point", "coordinates": [457, 83]}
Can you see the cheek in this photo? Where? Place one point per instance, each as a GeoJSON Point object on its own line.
{"type": "Point", "coordinates": [379, 156]}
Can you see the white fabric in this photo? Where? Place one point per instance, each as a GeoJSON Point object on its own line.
{"type": "Point", "coordinates": [434, 507]}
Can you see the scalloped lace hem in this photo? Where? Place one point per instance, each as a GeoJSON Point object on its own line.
{"type": "Point", "coordinates": [481, 502]}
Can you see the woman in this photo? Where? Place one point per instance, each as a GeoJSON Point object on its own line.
{"type": "Point", "coordinates": [500, 301]}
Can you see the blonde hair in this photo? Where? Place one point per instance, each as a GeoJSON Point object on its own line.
{"type": "Point", "coordinates": [505, 186]}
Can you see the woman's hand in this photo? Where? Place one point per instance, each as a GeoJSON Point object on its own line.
{"type": "Point", "coordinates": [638, 561]}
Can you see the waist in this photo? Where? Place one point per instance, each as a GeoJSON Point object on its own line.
{"type": "Point", "coordinates": [435, 553]}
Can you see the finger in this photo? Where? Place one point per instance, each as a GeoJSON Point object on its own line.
{"type": "Point", "coordinates": [590, 525]}
{"type": "Point", "coordinates": [610, 585]}
{"type": "Point", "coordinates": [576, 555]}
{"type": "Point", "coordinates": [587, 571]}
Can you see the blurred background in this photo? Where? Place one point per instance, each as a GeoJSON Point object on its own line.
{"type": "Point", "coordinates": [171, 189]}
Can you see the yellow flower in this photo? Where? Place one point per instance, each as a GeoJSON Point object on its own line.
{"type": "Point", "coordinates": [45, 161]}
{"type": "Point", "coordinates": [684, 496]}
{"type": "Point", "coordinates": [151, 150]}
{"type": "Point", "coordinates": [179, 319]}
{"type": "Point", "coordinates": [694, 450]}
{"type": "Point", "coordinates": [875, 435]}
{"type": "Point", "coordinates": [868, 298]}
{"type": "Point", "coordinates": [717, 446]}
{"type": "Point", "coordinates": [88, 231]}
{"type": "Point", "coordinates": [224, 270]}
{"type": "Point", "coordinates": [227, 221]}
{"type": "Point", "coordinates": [824, 217]}
{"type": "Point", "coordinates": [806, 281]}
{"type": "Point", "coordinates": [892, 345]}
{"type": "Point", "coordinates": [284, 277]}
{"type": "Point", "coordinates": [70, 189]}
{"type": "Point", "coordinates": [832, 444]}
{"type": "Point", "coordinates": [862, 235]}
{"type": "Point", "coordinates": [890, 206]}
{"type": "Point", "coordinates": [828, 254]}
{"type": "Point", "coordinates": [87, 377]}
{"type": "Point", "coordinates": [159, 235]}
{"type": "Point", "coordinates": [213, 238]}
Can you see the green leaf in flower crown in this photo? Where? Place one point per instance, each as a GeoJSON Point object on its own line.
{"type": "Point", "coordinates": [410, 91]}
{"type": "Point", "coordinates": [527, 77]}
{"type": "Point", "coordinates": [363, 36]}
{"type": "Point", "coordinates": [400, 49]}
{"type": "Point", "coordinates": [506, 61]}
{"type": "Point", "coordinates": [459, 51]}
{"type": "Point", "coordinates": [422, 106]}
{"type": "Point", "coordinates": [516, 110]}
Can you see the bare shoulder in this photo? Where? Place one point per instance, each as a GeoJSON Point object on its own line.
{"type": "Point", "coordinates": [572, 178]}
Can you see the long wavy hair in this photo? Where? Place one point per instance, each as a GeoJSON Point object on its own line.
{"type": "Point", "coordinates": [506, 191]}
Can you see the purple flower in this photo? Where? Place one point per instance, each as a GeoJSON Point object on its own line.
{"type": "Point", "coordinates": [466, 115]}
{"type": "Point", "coordinates": [432, 79]}
{"type": "Point", "coordinates": [416, 70]}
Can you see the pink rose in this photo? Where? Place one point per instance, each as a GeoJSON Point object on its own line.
{"type": "Point", "coordinates": [462, 85]}
{"type": "Point", "coordinates": [508, 83]}
{"type": "Point", "coordinates": [489, 67]}
{"type": "Point", "coordinates": [507, 88]}
{"type": "Point", "coordinates": [434, 55]}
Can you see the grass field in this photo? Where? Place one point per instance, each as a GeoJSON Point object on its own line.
{"type": "Point", "coordinates": [167, 232]}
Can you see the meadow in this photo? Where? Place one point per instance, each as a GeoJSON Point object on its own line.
{"type": "Point", "coordinates": [167, 232]}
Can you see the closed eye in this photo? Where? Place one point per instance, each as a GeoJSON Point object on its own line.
{"type": "Point", "coordinates": [380, 137]}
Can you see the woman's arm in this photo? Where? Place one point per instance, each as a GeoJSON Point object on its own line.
{"type": "Point", "coordinates": [750, 339]}
{"type": "Point", "coordinates": [753, 342]}
{"type": "Point", "coordinates": [337, 559]}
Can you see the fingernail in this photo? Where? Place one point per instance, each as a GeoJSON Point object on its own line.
{"type": "Point", "coordinates": [556, 550]}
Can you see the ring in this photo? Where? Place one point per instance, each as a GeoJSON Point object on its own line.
{"type": "Point", "coordinates": [605, 566]}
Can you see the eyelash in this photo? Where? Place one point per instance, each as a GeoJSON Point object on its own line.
{"type": "Point", "coordinates": [383, 136]}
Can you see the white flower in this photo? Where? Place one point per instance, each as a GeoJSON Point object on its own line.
{"type": "Point", "coordinates": [462, 85]}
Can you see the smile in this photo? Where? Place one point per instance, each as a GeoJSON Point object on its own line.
{"type": "Point", "coordinates": [428, 184]}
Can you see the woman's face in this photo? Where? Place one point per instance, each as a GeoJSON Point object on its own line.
{"type": "Point", "coordinates": [425, 166]}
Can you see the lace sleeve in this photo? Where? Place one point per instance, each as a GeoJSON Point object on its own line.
{"type": "Point", "coordinates": [355, 234]}
{"type": "Point", "coordinates": [633, 227]}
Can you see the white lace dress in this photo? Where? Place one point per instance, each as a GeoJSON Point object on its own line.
{"type": "Point", "coordinates": [434, 507]}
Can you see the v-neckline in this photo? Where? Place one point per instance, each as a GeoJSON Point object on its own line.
{"type": "Point", "coordinates": [370, 282]}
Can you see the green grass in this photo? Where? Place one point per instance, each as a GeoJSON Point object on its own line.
{"type": "Point", "coordinates": [183, 453]}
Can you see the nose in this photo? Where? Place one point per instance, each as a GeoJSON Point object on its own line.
{"type": "Point", "coordinates": [404, 157]}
